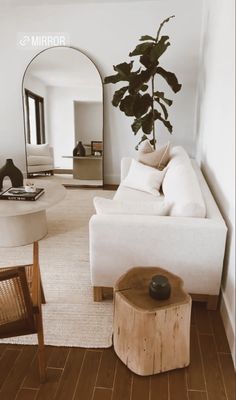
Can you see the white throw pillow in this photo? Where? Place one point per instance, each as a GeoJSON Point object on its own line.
{"type": "Point", "coordinates": [38, 149]}
{"type": "Point", "coordinates": [144, 178]}
{"type": "Point", "coordinates": [108, 206]}
{"type": "Point", "coordinates": [181, 187]}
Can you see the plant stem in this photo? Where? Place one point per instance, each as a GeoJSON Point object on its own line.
{"type": "Point", "coordinates": [153, 120]}
{"type": "Point", "coordinates": [160, 27]}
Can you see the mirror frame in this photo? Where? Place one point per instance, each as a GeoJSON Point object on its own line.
{"type": "Point", "coordinates": [24, 111]}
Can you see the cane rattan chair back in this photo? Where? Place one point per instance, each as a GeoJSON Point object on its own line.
{"type": "Point", "coordinates": [20, 304]}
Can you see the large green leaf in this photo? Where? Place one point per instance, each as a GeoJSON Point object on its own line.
{"type": "Point", "coordinates": [147, 123]}
{"type": "Point", "coordinates": [167, 125]}
{"type": "Point", "coordinates": [159, 48]}
{"type": "Point", "coordinates": [136, 83]}
{"type": "Point", "coordinates": [147, 37]}
{"type": "Point", "coordinates": [137, 80]}
{"type": "Point", "coordinates": [142, 105]}
{"type": "Point", "coordinates": [161, 95]}
{"type": "Point", "coordinates": [118, 95]}
{"type": "Point", "coordinates": [163, 108]}
{"type": "Point", "coordinates": [151, 56]}
{"type": "Point", "coordinates": [141, 48]}
{"type": "Point", "coordinates": [124, 72]}
{"type": "Point", "coordinates": [113, 79]}
{"type": "Point", "coordinates": [146, 61]}
{"type": "Point", "coordinates": [170, 79]}
{"type": "Point", "coordinates": [124, 69]}
{"type": "Point", "coordinates": [127, 104]}
{"type": "Point", "coordinates": [136, 125]}
{"type": "Point", "coordinates": [165, 122]}
{"type": "Point", "coordinates": [144, 88]}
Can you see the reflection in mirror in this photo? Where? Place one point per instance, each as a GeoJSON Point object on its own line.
{"type": "Point", "coordinates": [63, 110]}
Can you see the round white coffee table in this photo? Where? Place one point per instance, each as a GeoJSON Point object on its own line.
{"type": "Point", "coordinates": [24, 222]}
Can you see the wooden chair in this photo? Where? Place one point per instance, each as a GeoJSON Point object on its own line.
{"type": "Point", "coordinates": [21, 296]}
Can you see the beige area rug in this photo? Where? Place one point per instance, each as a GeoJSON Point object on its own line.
{"type": "Point", "coordinates": [71, 318]}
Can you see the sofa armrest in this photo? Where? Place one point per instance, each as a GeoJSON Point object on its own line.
{"type": "Point", "coordinates": [125, 166]}
{"type": "Point", "coordinates": [51, 151]}
{"type": "Point", "coordinates": [190, 247]}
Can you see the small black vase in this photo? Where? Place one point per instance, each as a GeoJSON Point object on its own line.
{"type": "Point", "coordinates": [10, 170]}
{"type": "Point", "coordinates": [159, 287]}
{"type": "Point", "coordinates": [75, 149]}
{"type": "Point", "coordinates": [79, 150]}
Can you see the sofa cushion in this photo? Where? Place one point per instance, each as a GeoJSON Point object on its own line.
{"type": "Point", "coordinates": [181, 188]}
{"type": "Point", "coordinates": [178, 156]}
{"type": "Point", "coordinates": [108, 206]}
{"type": "Point", "coordinates": [38, 149]}
{"type": "Point", "coordinates": [144, 178]}
{"type": "Point", "coordinates": [39, 160]}
{"type": "Point", "coordinates": [128, 194]}
{"type": "Point", "coordinates": [154, 158]}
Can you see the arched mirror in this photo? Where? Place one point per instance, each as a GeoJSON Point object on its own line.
{"type": "Point", "coordinates": [63, 111]}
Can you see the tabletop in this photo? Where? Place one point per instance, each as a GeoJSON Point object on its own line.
{"type": "Point", "coordinates": [54, 193]}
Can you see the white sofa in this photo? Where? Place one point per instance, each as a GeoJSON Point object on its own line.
{"type": "Point", "coordinates": [40, 158]}
{"type": "Point", "coordinates": [191, 247]}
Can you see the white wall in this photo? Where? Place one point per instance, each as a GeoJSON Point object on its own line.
{"type": "Point", "coordinates": [107, 32]}
{"type": "Point", "coordinates": [35, 85]}
{"type": "Point", "coordinates": [61, 120]}
{"type": "Point", "coordinates": [88, 121]}
{"type": "Point", "coordinates": [216, 141]}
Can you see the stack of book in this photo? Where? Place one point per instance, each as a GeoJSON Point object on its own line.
{"type": "Point", "coordinates": [21, 194]}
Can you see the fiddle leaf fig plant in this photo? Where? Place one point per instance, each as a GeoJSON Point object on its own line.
{"type": "Point", "coordinates": [139, 98]}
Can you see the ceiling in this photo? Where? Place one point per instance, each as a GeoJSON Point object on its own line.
{"type": "Point", "coordinates": [64, 67]}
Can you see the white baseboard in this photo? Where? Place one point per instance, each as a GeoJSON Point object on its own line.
{"type": "Point", "coordinates": [228, 325]}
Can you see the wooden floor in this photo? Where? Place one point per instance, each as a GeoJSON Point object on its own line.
{"type": "Point", "coordinates": [97, 374]}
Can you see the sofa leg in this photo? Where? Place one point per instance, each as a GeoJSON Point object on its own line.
{"type": "Point", "coordinates": [212, 302]}
{"type": "Point", "coordinates": [97, 293]}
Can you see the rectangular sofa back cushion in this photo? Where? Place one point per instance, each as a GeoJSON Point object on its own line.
{"type": "Point", "coordinates": [38, 150]}
{"type": "Point", "coordinates": [112, 207]}
{"type": "Point", "coordinates": [181, 187]}
{"type": "Point", "coordinates": [39, 155]}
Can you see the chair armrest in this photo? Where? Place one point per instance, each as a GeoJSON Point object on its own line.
{"type": "Point", "coordinates": [36, 290]}
{"type": "Point", "coordinates": [35, 293]}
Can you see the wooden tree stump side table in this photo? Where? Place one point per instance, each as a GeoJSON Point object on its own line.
{"type": "Point", "coordinates": [151, 336]}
